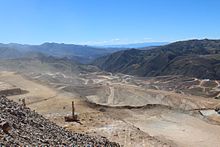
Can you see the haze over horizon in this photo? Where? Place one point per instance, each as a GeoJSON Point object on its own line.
{"type": "Point", "coordinates": [114, 22]}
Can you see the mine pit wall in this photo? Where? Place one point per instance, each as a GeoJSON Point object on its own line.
{"type": "Point", "coordinates": [175, 101]}
{"type": "Point", "coordinates": [10, 92]}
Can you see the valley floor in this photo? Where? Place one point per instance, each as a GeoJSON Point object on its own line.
{"type": "Point", "coordinates": [161, 124]}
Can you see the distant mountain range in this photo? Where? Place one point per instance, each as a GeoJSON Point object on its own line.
{"type": "Point", "coordinates": [39, 63]}
{"type": "Point", "coordinates": [194, 58]}
{"type": "Point", "coordinates": [80, 53]}
{"type": "Point", "coordinates": [136, 45]}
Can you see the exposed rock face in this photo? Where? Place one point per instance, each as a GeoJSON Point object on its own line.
{"type": "Point", "coordinates": [21, 126]}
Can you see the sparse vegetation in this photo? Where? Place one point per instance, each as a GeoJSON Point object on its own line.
{"type": "Point", "coordinates": [188, 58]}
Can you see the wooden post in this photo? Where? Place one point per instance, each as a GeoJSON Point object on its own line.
{"type": "Point", "coordinates": [72, 118]}
{"type": "Point", "coordinates": [23, 101]}
{"type": "Point", "coordinates": [73, 109]}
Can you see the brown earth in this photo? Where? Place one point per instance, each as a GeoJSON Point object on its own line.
{"type": "Point", "coordinates": [171, 121]}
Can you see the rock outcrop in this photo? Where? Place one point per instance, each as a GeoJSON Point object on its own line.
{"type": "Point", "coordinates": [20, 126]}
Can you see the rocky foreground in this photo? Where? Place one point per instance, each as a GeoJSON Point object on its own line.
{"type": "Point", "coordinates": [20, 126]}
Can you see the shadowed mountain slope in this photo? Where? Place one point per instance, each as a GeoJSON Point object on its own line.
{"type": "Point", "coordinates": [195, 58]}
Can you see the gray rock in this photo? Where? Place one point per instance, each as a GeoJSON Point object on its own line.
{"type": "Point", "coordinates": [20, 126]}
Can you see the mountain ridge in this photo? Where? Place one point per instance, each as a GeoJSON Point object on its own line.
{"type": "Point", "coordinates": [80, 53]}
{"type": "Point", "coordinates": [190, 58]}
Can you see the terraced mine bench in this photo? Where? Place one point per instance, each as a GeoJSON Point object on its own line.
{"type": "Point", "coordinates": [8, 89]}
{"type": "Point", "coordinates": [13, 91]}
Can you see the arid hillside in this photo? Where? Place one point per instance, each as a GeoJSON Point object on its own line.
{"type": "Point", "coordinates": [188, 58]}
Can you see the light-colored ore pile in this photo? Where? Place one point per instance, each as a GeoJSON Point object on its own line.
{"type": "Point", "coordinates": [20, 126]}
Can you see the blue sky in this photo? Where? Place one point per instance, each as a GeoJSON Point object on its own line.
{"type": "Point", "coordinates": [107, 21]}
